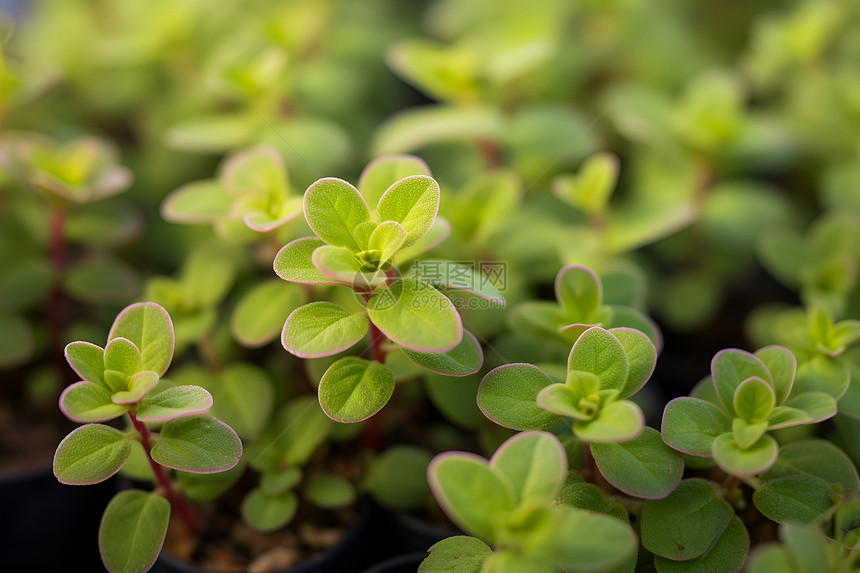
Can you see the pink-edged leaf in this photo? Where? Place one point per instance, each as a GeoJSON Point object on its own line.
{"type": "Point", "coordinates": [87, 360]}
{"type": "Point", "coordinates": [294, 263]}
{"type": "Point", "coordinates": [90, 454]}
{"type": "Point", "coordinates": [197, 444]}
{"type": "Point", "coordinates": [174, 403]}
{"type": "Point", "coordinates": [150, 328]}
{"type": "Point", "coordinates": [322, 329]}
{"type": "Point", "coordinates": [87, 402]}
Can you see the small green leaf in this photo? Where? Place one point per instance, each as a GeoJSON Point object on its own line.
{"type": "Point", "coordinates": [342, 266]}
{"type": "Point", "coordinates": [385, 171]}
{"type": "Point", "coordinates": [642, 467]}
{"type": "Point", "coordinates": [641, 357]}
{"type": "Point", "coordinates": [322, 329]}
{"type": "Point", "coordinates": [416, 316]}
{"type": "Point", "coordinates": [353, 389]}
{"type": "Point", "coordinates": [822, 373]}
{"type": "Point", "coordinates": [242, 397]}
{"type": "Point", "coordinates": [267, 512]}
{"type": "Point", "coordinates": [196, 202]}
{"type": "Point", "coordinates": [579, 292]}
{"type": "Point", "coordinates": [259, 316]}
{"type": "Point", "coordinates": [684, 524]}
{"type": "Point", "coordinates": [294, 263]}
{"type": "Point", "coordinates": [728, 553]}
{"type": "Point", "coordinates": [458, 276]}
{"type": "Point", "coordinates": [173, 403]}
{"type": "Point", "coordinates": [616, 422]}
{"type": "Point", "coordinates": [87, 402]}
{"type": "Point", "coordinates": [580, 494]}
{"type": "Point", "coordinates": [746, 434]}
{"type": "Point", "coordinates": [808, 546]}
{"type": "Point", "coordinates": [460, 553]}
{"type": "Point", "coordinates": [736, 461]}
{"type": "Point", "coordinates": [138, 385]}
{"type": "Point", "coordinates": [784, 417]}
{"type": "Point", "coordinates": [275, 482]}
{"type": "Point", "coordinates": [149, 327]}
{"type": "Point", "coordinates": [471, 493]}
{"type": "Point", "coordinates": [754, 400]}
{"type": "Point", "coordinates": [592, 186]}
{"type": "Point", "coordinates": [329, 491]}
{"type": "Point", "coordinates": [387, 238]}
{"type": "Point", "coordinates": [597, 351]}
{"type": "Point", "coordinates": [782, 365]}
{"type": "Point", "coordinates": [817, 405]}
{"type": "Point", "coordinates": [199, 444]}
{"type": "Point", "coordinates": [397, 478]}
{"type": "Point", "coordinates": [334, 208]}
{"type": "Point", "coordinates": [731, 367]}
{"type": "Point", "coordinates": [464, 359]}
{"type": "Point", "coordinates": [583, 541]}
{"type": "Point", "coordinates": [206, 487]}
{"type": "Point", "coordinates": [132, 531]}
{"type": "Point", "coordinates": [207, 274]}
{"type": "Point", "coordinates": [90, 454]}
{"type": "Point", "coordinates": [534, 464]}
{"type": "Point", "coordinates": [101, 278]}
{"type": "Point", "coordinates": [123, 356]}
{"type": "Point", "coordinates": [691, 425]}
{"type": "Point", "coordinates": [563, 400]}
{"type": "Point", "coordinates": [87, 360]}
{"type": "Point", "coordinates": [794, 498]}
{"type": "Point", "coordinates": [413, 202]}
{"type": "Point", "coordinates": [818, 458]}
{"type": "Point", "coordinates": [508, 396]}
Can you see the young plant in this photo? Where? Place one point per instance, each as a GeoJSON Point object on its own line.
{"type": "Point", "coordinates": [509, 504]}
{"type": "Point", "coordinates": [123, 379]}
{"type": "Point", "coordinates": [605, 367]}
{"type": "Point", "coordinates": [358, 248]}
{"type": "Point", "coordinates": [252, 191]}
{"type": "Point", "coordinates": [731, 412]}
{"type": "Point", "coordinates": [579, 292]}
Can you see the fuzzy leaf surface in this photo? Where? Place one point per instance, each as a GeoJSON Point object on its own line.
{"type": "Point", "coordinates": [333, 209]}
{"type": "Point", "coordinates": [199, 444]}
{"type": "Point", "coordinates": [90, 454]}
{"type": "Point", "coordinates": [149, 327]}
{"type": "Point", "coordinates": [353, 389]}
{"type": "Point", "coordinates": [322, 329]}
{"type": "Point", "coordinates": [642, 467]}
{"type": "Point", "coordinates": [508, 396]}
{"type": "Point", "coordinates": [464, 359]}
{"type": "Point", "coordinates": [87, 402]}
{"type": "Point", "coordinates": [173, 403]}
{"type": "Point", "coordinates": [535, 465]}
{"type": "Point", "coordinates": [132, 531]}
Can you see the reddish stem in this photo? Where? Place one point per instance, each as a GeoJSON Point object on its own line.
{"type": "Point", "coordinates": [377, 352]}
{"type": "Point", "coordinates": [175, 501]}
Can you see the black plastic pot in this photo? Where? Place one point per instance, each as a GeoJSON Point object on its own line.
{"type": "Point", "coordinates": [351, 553]}
{"type": "Point", "coordinates": [408, 563]}
{"type": "Point", "coordinates": [405, 533]}
{"type": "Point", "coordinates": [48, 527]}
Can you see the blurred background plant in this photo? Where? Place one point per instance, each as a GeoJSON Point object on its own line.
{"type": "Point", "coordinates": [701, 158]}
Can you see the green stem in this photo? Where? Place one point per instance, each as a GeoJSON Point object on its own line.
{"type": "Point", "coordinates": [161, 478]}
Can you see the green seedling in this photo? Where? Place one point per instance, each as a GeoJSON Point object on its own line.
{"type": "Point", "coordinates": [508, 504]}
{"type": "Point", "coordinates": [252, 191]}
{"type": "Point", "coordinates": [122, 379]}
{"type": "Point", "coordinates": [605, 367]}
{"type": "Point", "coordinates": [579, 293]}
{"type": "Point", "coordinates": [358, 248]}
{"type": "Point", "coordinates": [732, 412]}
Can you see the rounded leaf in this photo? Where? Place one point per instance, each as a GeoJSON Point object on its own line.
{"type": "Point", "coordinates": [132, 531]}
{"type": "Point", "coordinates": [268, 512]}
{"type": "Point", "coordinates": [294, 263]}
{"type": "Point", "coordinates": [329, 491]}
{"type": "Point", "coordinates": [173, 403]}
{"type": "Point", "coordinates": [619, 421]}
{"type": "Point", "coordinates": [353, 389]}
{"type": "Point", "coordinates": [508, 396]}
{"type": "Point", "coordinates": [333, 209]}
{"type": "Point", "coordinates": [728, 553]}
{"type": "Point", "coordinates": [87, 360]}
{"type": "Point", "coordinates": [196, 202]}
{"type": "Point", "coordinates": [578, 290]}
{"type": "Point", "coordinates": [794, 498]}
{"type": "Point", "coordinates": [87, 402]}
{"type": "Point", "coordinates": [413, 202]}
{"type": "Point", "coordinates": [753, 460]}
{"type": "Point", "coordinates": [259, 315]}
{"type": "Point", "coordinates": [535, 465]}
{"type": "Point", "coordinates": [464, 359]}
{"type": "Point", "coordinates": [383, 172]}
{"type": "Point", "coordinates": [416, 316]}
{"type": "Point", "coordinates": [754, 399]}
{"type": "Point", "coordinates": [641, 359]}
{"type": "Point", "coordinates": [691, 425]}
{"type": "Point", "coordinates": [322, 329]}
{"type": "Point", "coordinates": [598, 352]}
{"type": "Point", "coordinates": [199, 444]}
{"type": "Point", "coordinates": [90, 454]}
{"type": "Point", "coordinates": [730, 367]}
{"type": "Point", "coordinates": [471, 493]}
{"type": "Point", "coordinates": [642, 467]}
{"type": "Point", "coordinates": [149, 327]}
